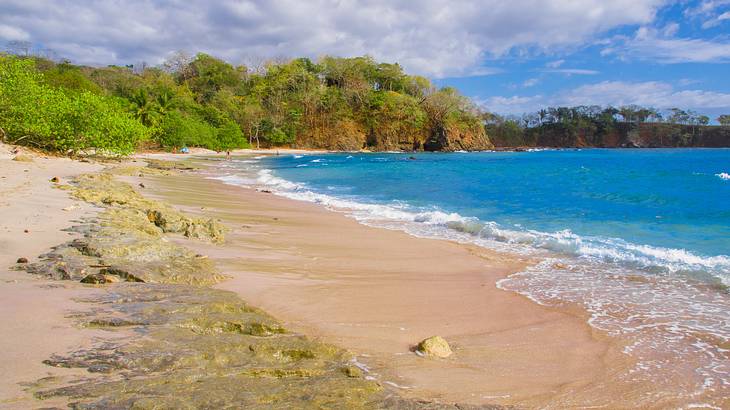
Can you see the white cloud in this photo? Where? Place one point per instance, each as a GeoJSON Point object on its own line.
{"type": "Point", "coordinates": [651, 44]}
{"type": "Point", "coordinates": [555, 64]}
{"type": "Point", "coordinates": [11, 33]}
{"type": "Point", "coordinates": [716, 21]}
{"type": "Point", "coordinates": [708, 11]}
{"type": "Point", "coordinates": [656, 94]}
{"type": "Point", "coordinates": [434, 37]}
{"type": "Point", "coordinates": [571, 71]}
{"type": "Point", "coordinates": [531, 82]}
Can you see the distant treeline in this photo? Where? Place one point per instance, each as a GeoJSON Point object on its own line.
{"type": "Point", "coordinates": [334, 103]}
{"type": "Point", "coordinates": [595, 126]}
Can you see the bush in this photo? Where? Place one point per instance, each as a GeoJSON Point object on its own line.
{"type": "Point", "coordinates": [34, 113]}
{"type": "Point", "coordinates": [229, 136]}
{"type": "Point", "coordinates": [178, 130]}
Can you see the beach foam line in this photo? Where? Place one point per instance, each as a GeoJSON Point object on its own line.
{"type": "Point", "coordinates": [598, 249]}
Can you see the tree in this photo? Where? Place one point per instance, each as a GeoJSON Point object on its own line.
{"type": "Point", "coordinates": [144, 108]}
{"type": "Point", "coordinates": [724, 119]}
{"type": "Point", "coordinates": [207, 75]}
{"type": "Point", "coordinates": [678, 116]}
{"type": "Point", "coordinates": [35, 113]}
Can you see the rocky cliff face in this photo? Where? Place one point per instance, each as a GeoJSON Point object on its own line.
{"type": "Point", "coordinates": [453, 138]}
{"type": "Point", "coordinates": [648, 135]}
{"type": "Point", "coordinates": [352, 137]}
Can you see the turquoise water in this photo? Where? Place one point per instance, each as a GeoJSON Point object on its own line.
{"type": "Point", "coordinates": [668, 199]}
{"type": "Point", "coordinates": [594, 220]}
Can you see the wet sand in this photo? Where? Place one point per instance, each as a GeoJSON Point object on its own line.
{"type": "Point", "coordinates": [378, 292]}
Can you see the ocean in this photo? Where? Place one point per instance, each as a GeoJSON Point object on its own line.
{"type": "Point", "coordinates": [639, 238]}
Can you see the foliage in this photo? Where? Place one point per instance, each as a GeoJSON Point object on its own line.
{"type": "Point", "coordinates": [724, 119]}
{"type": "Point", "coordinates": [61, 119]}
{"type": "Point", "coordinates": [334, 102]}
{"type": "Point", "coordinates": [586, 125]}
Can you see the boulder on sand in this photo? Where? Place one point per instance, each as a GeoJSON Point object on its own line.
{"type": "Point", "coordinates": [435, 346]}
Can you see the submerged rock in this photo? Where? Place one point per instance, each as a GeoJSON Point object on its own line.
{"type": "Point", "coordinates": [22, 260]}
{"type": "Point", "coordinates": [435, 346]}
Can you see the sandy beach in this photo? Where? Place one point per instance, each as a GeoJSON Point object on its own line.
{"type": "Point", "coordinates": [372, 291]}
{"type": "Point", "coordinates": [33, 311]}
{"type": "Point", "coordinates": [378, 292]}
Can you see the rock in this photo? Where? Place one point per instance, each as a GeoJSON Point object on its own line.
{"type": "Point", "coordinates": [99, 278]}
{"type": "Point", "coordinates": [23, 158]}
{"type": "Point", "coordinates": [352, 371]}
{"type": "Point", "coordinates": [434, 346]}
{"type": "Point", "coordinates": [55, 180]}
{"type": "Point", "coordinates": [141, 185]}
{"type": "Point", "coordinates": [559, 265]}
{"type": "Point", "coordinates": [26, 231]}
{"type": "Point", "coordinates": [121, 273]}
{"type": "Point", "coordinates": [22, 260]}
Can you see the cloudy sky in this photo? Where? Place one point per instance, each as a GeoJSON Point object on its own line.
{"type": "Point", "coordinates": [512, 56]}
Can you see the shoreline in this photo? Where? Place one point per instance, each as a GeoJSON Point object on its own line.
{"type": "Point", "coordinates": [397, 301]}
{"type": "Point", "coordinates": [161, 335]}
{"type": "Point", "coordinates": [373, 291]}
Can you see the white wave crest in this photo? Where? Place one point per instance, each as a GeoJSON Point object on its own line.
{"type": "Point", "coordinates": [723, 175]}
{"type": "Point", "coordinates": [440, 224]}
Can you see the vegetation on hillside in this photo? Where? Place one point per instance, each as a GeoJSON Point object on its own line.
{"type": "Point", "coordinates": [69, 120]}
{"type": "Point", "coordinates": [607, 127]}
{"type": "Point", "coordinates": [335, 103]}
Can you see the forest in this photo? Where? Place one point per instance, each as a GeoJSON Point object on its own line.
{"type": "Point", "coordinates": [334, 103]}
{"type": "Point", "coordinates": [595, 126]}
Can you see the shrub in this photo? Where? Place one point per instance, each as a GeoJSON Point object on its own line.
{"type": "Point", "coordinates": [34, 113]}
{"type": "Point", "coordinates": [178, 129]}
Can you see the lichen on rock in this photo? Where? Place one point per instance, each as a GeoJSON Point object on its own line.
{"type": "Point", "coordinates": [184, 367]}
{"type": "Point", "coordinates": [435, 346]}
{"type": "Point", "coordinates": [104, 190]}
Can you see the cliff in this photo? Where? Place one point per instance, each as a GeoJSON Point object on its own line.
{"type": "Point", "coordinates": [644, 135]}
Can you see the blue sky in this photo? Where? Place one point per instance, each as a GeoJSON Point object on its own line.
{"type": "Point", "coordinates": [511, 56]}
{"type": "Point", "coordinates": [680, 58]}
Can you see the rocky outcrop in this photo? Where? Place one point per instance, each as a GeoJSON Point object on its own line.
{"type": "Point", "coordinates": [621, 135]}
{"type": "Point", "coordinates": [125, 241]}
{"type": "Point", "coordinates": [458, 138]}
{"type": "Point", "coordinates": [398, 136]}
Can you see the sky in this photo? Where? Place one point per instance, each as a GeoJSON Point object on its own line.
{"type": "Point", "coordinates": [510, 56]}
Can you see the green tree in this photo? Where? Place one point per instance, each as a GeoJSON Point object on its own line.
{"type": "Point", "coordinates": [34, 113]}
{"type": "Point", "coordinates": [207, 75]}
{"type": "Point", "coordinates": [724, 119]}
